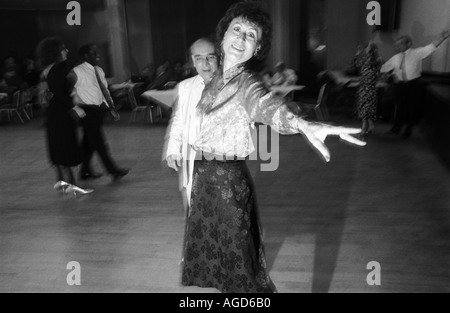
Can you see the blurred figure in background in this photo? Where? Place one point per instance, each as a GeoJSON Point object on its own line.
{"type": "Point", "coordinates": [164, 73]}
{"type": "Point", "coordinates": [283, 75]}
{"type": "Point", "coordinates": [188, 70]}
{"type": "Point", "coordinates": [3, 92]}
{"type": "Point", "coordinates": [31, 77]}
{"type": "Point", "coordinates": [146, 77]}
{"type": "Point", "coordinates": [12, 72]}
{"type": "Point", "coordinates": [3, 86]}
{"type": "Point", "coordinates": [91, 94]}
{"type": "Point", "coordinates": [31, 74]}
{"type": "Point", "coordinates": [148, 74]}
{"type": "Point", "coordinates": [266, 74]}
{"type": "Point", "coordinates": [368, 64]}
{"type": "Point", "coordinates": [11, 80]}
{"type": "Point", "coordinates": [63, 147]}
{"type": "Point", "coordinates": [406, 69]}
{"type": "Point", "coordinates": [177, 74]}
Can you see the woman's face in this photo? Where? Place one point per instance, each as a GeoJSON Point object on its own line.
{"type": "Point", "coordinates": [241, 40]}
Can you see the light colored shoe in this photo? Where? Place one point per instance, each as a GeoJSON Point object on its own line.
{"type": "Point", "coordinates": [61, 185]}
{"type": "Point", "coordinates": [76, 191]}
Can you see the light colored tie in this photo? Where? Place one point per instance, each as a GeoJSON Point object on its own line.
{"type": "Point", "coordinates": [104, 90]}
{"type": "Point", "coordinates": [403, 68]}
{"type": "Point", "coordinates": [107, 96]}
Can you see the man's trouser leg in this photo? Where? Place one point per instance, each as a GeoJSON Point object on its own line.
{"type": "Point", "coordinates": [95, 139]}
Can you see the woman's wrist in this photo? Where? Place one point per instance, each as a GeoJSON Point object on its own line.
{"type": "Point", "coordinates": [302, 125]}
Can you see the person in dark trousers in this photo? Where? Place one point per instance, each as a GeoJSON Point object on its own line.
{"type": "Point", "coordinates": [91, 94]}
{"type": "Point", "coordinates": [406, 68]}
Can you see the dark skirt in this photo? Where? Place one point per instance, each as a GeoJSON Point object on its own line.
{"type": "Point", "coordinates": [62, 139]}
{"type": "Point", "coordinates": [223, 247]}
{"type": "Point", "coordinates": [367, 101]}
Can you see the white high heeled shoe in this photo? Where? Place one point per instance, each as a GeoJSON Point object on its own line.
{"type": "Point", "coordinates": [61, 185]}
{"type": "Point", "coordinates": [72, 189]}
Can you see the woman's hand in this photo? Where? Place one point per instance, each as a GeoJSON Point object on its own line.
{"type": "Point", "coordinates": [80, 112]}
{"type": "Point", "coordinates": [316, 133]}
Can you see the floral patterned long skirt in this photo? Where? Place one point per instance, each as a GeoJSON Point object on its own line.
{"type": "Point", "coordinates": [223, 247]}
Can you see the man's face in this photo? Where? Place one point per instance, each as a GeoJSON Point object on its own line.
{"type": "Point", "coordinates": [402, 45]}
{"type": "Point", "coordinates": [93, 57]}
{"type": "Point", "coordinates": [204, 59]}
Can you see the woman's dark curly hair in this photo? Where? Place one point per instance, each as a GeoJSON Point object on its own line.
{"type": "Point", "coordinates": [251, 12]}
{"type": "Point", "coordinates": [48, 51]}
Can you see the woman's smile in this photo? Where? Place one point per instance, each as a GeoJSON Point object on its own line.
{"type": "Point", "coordinates": [238, 47]}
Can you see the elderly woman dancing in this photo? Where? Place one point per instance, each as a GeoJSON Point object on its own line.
{"type": "Point", "coordinates": [223, 248]}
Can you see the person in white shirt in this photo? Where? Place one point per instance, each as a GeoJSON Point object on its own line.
{"type": "Point", "coordinates": [91, 96]}
{"type": "Point", "coordinates": [406, 69]}
{"type": "Point", "coordinates": [181, 133]}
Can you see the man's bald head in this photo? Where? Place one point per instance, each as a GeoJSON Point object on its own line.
{"type": "Point", "coordinates": [403, 43]}
{"type": "Point", "coordinates": [204, 58]}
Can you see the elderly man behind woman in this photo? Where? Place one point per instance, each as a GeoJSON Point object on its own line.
{"type": "Point", "coordinates": [179, 152]}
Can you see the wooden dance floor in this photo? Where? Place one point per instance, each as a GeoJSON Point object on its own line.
{"type": "Point", "coordinates": [388, 202]}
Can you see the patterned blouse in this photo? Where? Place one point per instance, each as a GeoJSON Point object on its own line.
{"type": "Point", "coordinates": [230, 104]}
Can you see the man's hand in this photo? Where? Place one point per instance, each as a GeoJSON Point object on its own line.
{"type": "Point", "coordinates": [316, 133]}
{"type": "Point", "coordinates": [445, 34]}
{"type": "Point", "coordinates": [115, 114]}
{"type": "Point", "coordinates": [174, 161]}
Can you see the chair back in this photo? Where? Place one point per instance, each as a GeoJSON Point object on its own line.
{"type": "Point", "coordinates": [16, 100]}
{"type": "Point", "coordinates": [321, 107]}
{"type": "Point", "coordinates": [131, 98]}
{"type": "Point", "coordinates": [28, 95]}
{"type": "Point", "coordinates": [24, 98]}
{"type": "Point", "coordinates": [322, 98]}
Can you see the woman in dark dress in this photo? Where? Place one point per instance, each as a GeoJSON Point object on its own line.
{"type": "Point", "coordinates": [62, 141]}
{"type": "Point", "coordinates": [367, 61]}
{"type": "Point", "coordinates": [223, 245]}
